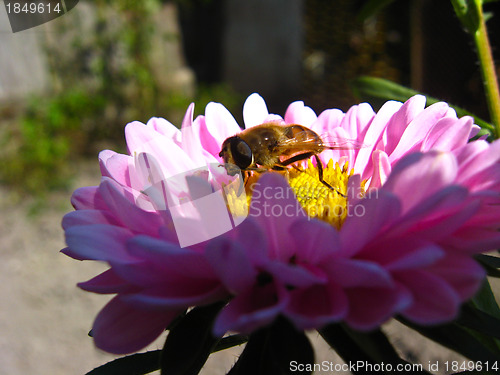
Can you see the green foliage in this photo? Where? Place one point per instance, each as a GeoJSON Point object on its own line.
{"type": "Point", "coordinates": [371, 7]}
{"type": "Point", "coordinates": [378, 90]}
{"type": "Point", "coordinates": [103, 79]}
{"type": "Point", "coordinates": [220, 93]}
{"type": "Point", "coordinates": [468, 12]}
{"type": "Point", "coordinates": [46, 137]}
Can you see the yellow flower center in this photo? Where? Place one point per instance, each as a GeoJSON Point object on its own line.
{"type": "Point", "coordinates": [317, 199]}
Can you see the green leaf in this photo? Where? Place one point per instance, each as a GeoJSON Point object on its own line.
{"type": "Point", "coordinates": [468, 13]}
{"type": "Point", "coordinates": [144, 363]}
{"type": "Point", "coordinates": [485, 303]}
{"type": "Point", "coordinates": [135, 364]}
{"type": "Point", "coordinates": [478, 320]}
{"type": "Point", "coordinates": [485, 300]}
{"type": "Point", "coordinates": [490, 263]}
{"type": "Point", "coordinates": [375, 344]}
{"type": "Point", "coordinates": [343, 344]}
{"type": "Point", "coordinates": [371, 7]}
{"type": "Point", "coordinates": [190, 342]}
{"type": "Point", "coordinates": [489, 259]}
{"type": "Point", "coordinates": [455, 338]}
{"type": "Point", "coordinates": [370, 347]}
{"type": "Point", "coordinates": [372, 88]}
{"type": "Point", "coordinates": [230, 341]}
{"type": "Point", "coordinates": [273, 351]}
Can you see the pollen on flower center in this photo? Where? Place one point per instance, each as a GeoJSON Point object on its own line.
{"type": "Point", "coordinates": [319, 200]}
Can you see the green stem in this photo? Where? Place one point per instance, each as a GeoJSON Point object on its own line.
{"type": "Point", "coordinates": [488, 70]}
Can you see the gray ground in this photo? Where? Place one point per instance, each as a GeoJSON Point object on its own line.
{"type": "Point", "coordinates": [44, 317]}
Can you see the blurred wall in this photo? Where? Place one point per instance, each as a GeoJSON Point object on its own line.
{"type": "Point", "coordinates": [25, 66]}
{"type": "Point", "coordinates": [262, 47]}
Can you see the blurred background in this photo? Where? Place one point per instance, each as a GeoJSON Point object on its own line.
{"type": "Point", "coordinates": [68, 88]}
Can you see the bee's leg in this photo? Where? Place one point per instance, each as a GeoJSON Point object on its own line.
{"type": "Point", "coordinates": [320, 176]}
{"type": "Point", "coordinates": [296, 158]}
{"type": "Point", "coordinates": [307, 155]}
{"type": "Point", "coordinates": [246, 176]}
{"type": "Point", "coordinates": [243, 183]}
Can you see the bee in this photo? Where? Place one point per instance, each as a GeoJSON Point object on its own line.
{"type": "Point", "coordinates": [272, 146]}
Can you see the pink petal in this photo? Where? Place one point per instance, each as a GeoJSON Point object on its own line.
{"type": "Point", "coordinates": [434, 300]}
{"type": "Point", "coordinates": [121, 329]}
{"type": "Point", "coordinates": [170, 258]}
{"type": "Point", "coordinates": [250, 310]}
{"type": "Point", "coordinates": [220, 122]}
{"type": "Point", "coordinates": [462, 273]}
{"type": "Point", "coordinates": [191, 142]}
{"type": "Point", "coordinates": [274, 118]}
{"type": "Point", "coordinates": [254, 111]}
{"type": "Point", "coordinates": [316, 306]}
{"type": "Point", "coordinates": [275, 207]}
{"type": "Point", "coordinates": [443, 222]}
{"type": "Point", "coordinates": [422, 256]}
{"type": "Point", "coordinates": [88, 198]}
{"type": "Point", "coordinates": [327, 120]}
{"type": "Point", "coordinates": [486, 179]}
{"type": "Point", "coordinates": [373, 134]}
{"type": "Point", "coordinates": [210, 144]}
{"type": "Point", "coordinates": [165, 128]}
{"type": "Point", "coordinates": [127, 212]}
{"type": "Point", "coordinates": [144, 139]}
{"type": "Point", "coordinates": [404, 116]}
{"type": "Point", "coordinates": [138, 134]}
{"type": "Point", "coordinates": [291, 275]}
{"type": "Point", "coordinates": [474, 240]}
{"type": "Point", "coordinates": [180, 295]}
{"type": "Point", "coordinates": [381, 169]}
{"type": "Point", "coordinates": [481, 161]}
{"type": "Point", "coordinates": [88, 217]}
{"type": "Point", "coordinates": [448, 133]}
{"type": "Point", "coordinates": [366, 219]}
{"type": "Point", "coordinates": [350, 273]}
{"type": "Point", "coordinates": [116, 166]}
{"type": "Point", "coordinates": [231, 264]}
{"type": "Point", "coordinates": [322, 240]}
{"type": "Point", "coordinates": [252, 237]}
{"type": "Point", "coordinates": [106, 283]}
{"type": "Point", "coordinates": [475, 131]}
{"type": "Point", "coordinates": [298, 113]}
{"type": "Point", "coordinates": [357, 119]}
{"type": "Point", "coordinates": [469, 152]}
{"type": "Point", "coordinates": [418, 176]}
{"type": "Point", "coordinates": [339, 138]}
{"type": "Point", "coordinates": [438, 215]}
{"type": "Point", "coordinates": [418, 128]}
{"type": "Point", "coordinates": [98, 242]}
{"type": "Point", "coordinates": [370, 307]}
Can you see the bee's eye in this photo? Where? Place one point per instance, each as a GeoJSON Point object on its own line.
{"type": "Point", "coordinates": [242, 153]}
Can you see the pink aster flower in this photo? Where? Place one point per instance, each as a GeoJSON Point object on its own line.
{"type": "Point", "coordinates": [426, 200]}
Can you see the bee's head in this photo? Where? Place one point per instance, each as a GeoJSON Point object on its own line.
{"type": "Point", "coordinates": [236, 151]}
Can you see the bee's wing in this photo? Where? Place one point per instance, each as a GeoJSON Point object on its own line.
{"type": "Point", "coordinates": [328, 142]}
{"type": "Point", "coordinates": [338, 143]}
